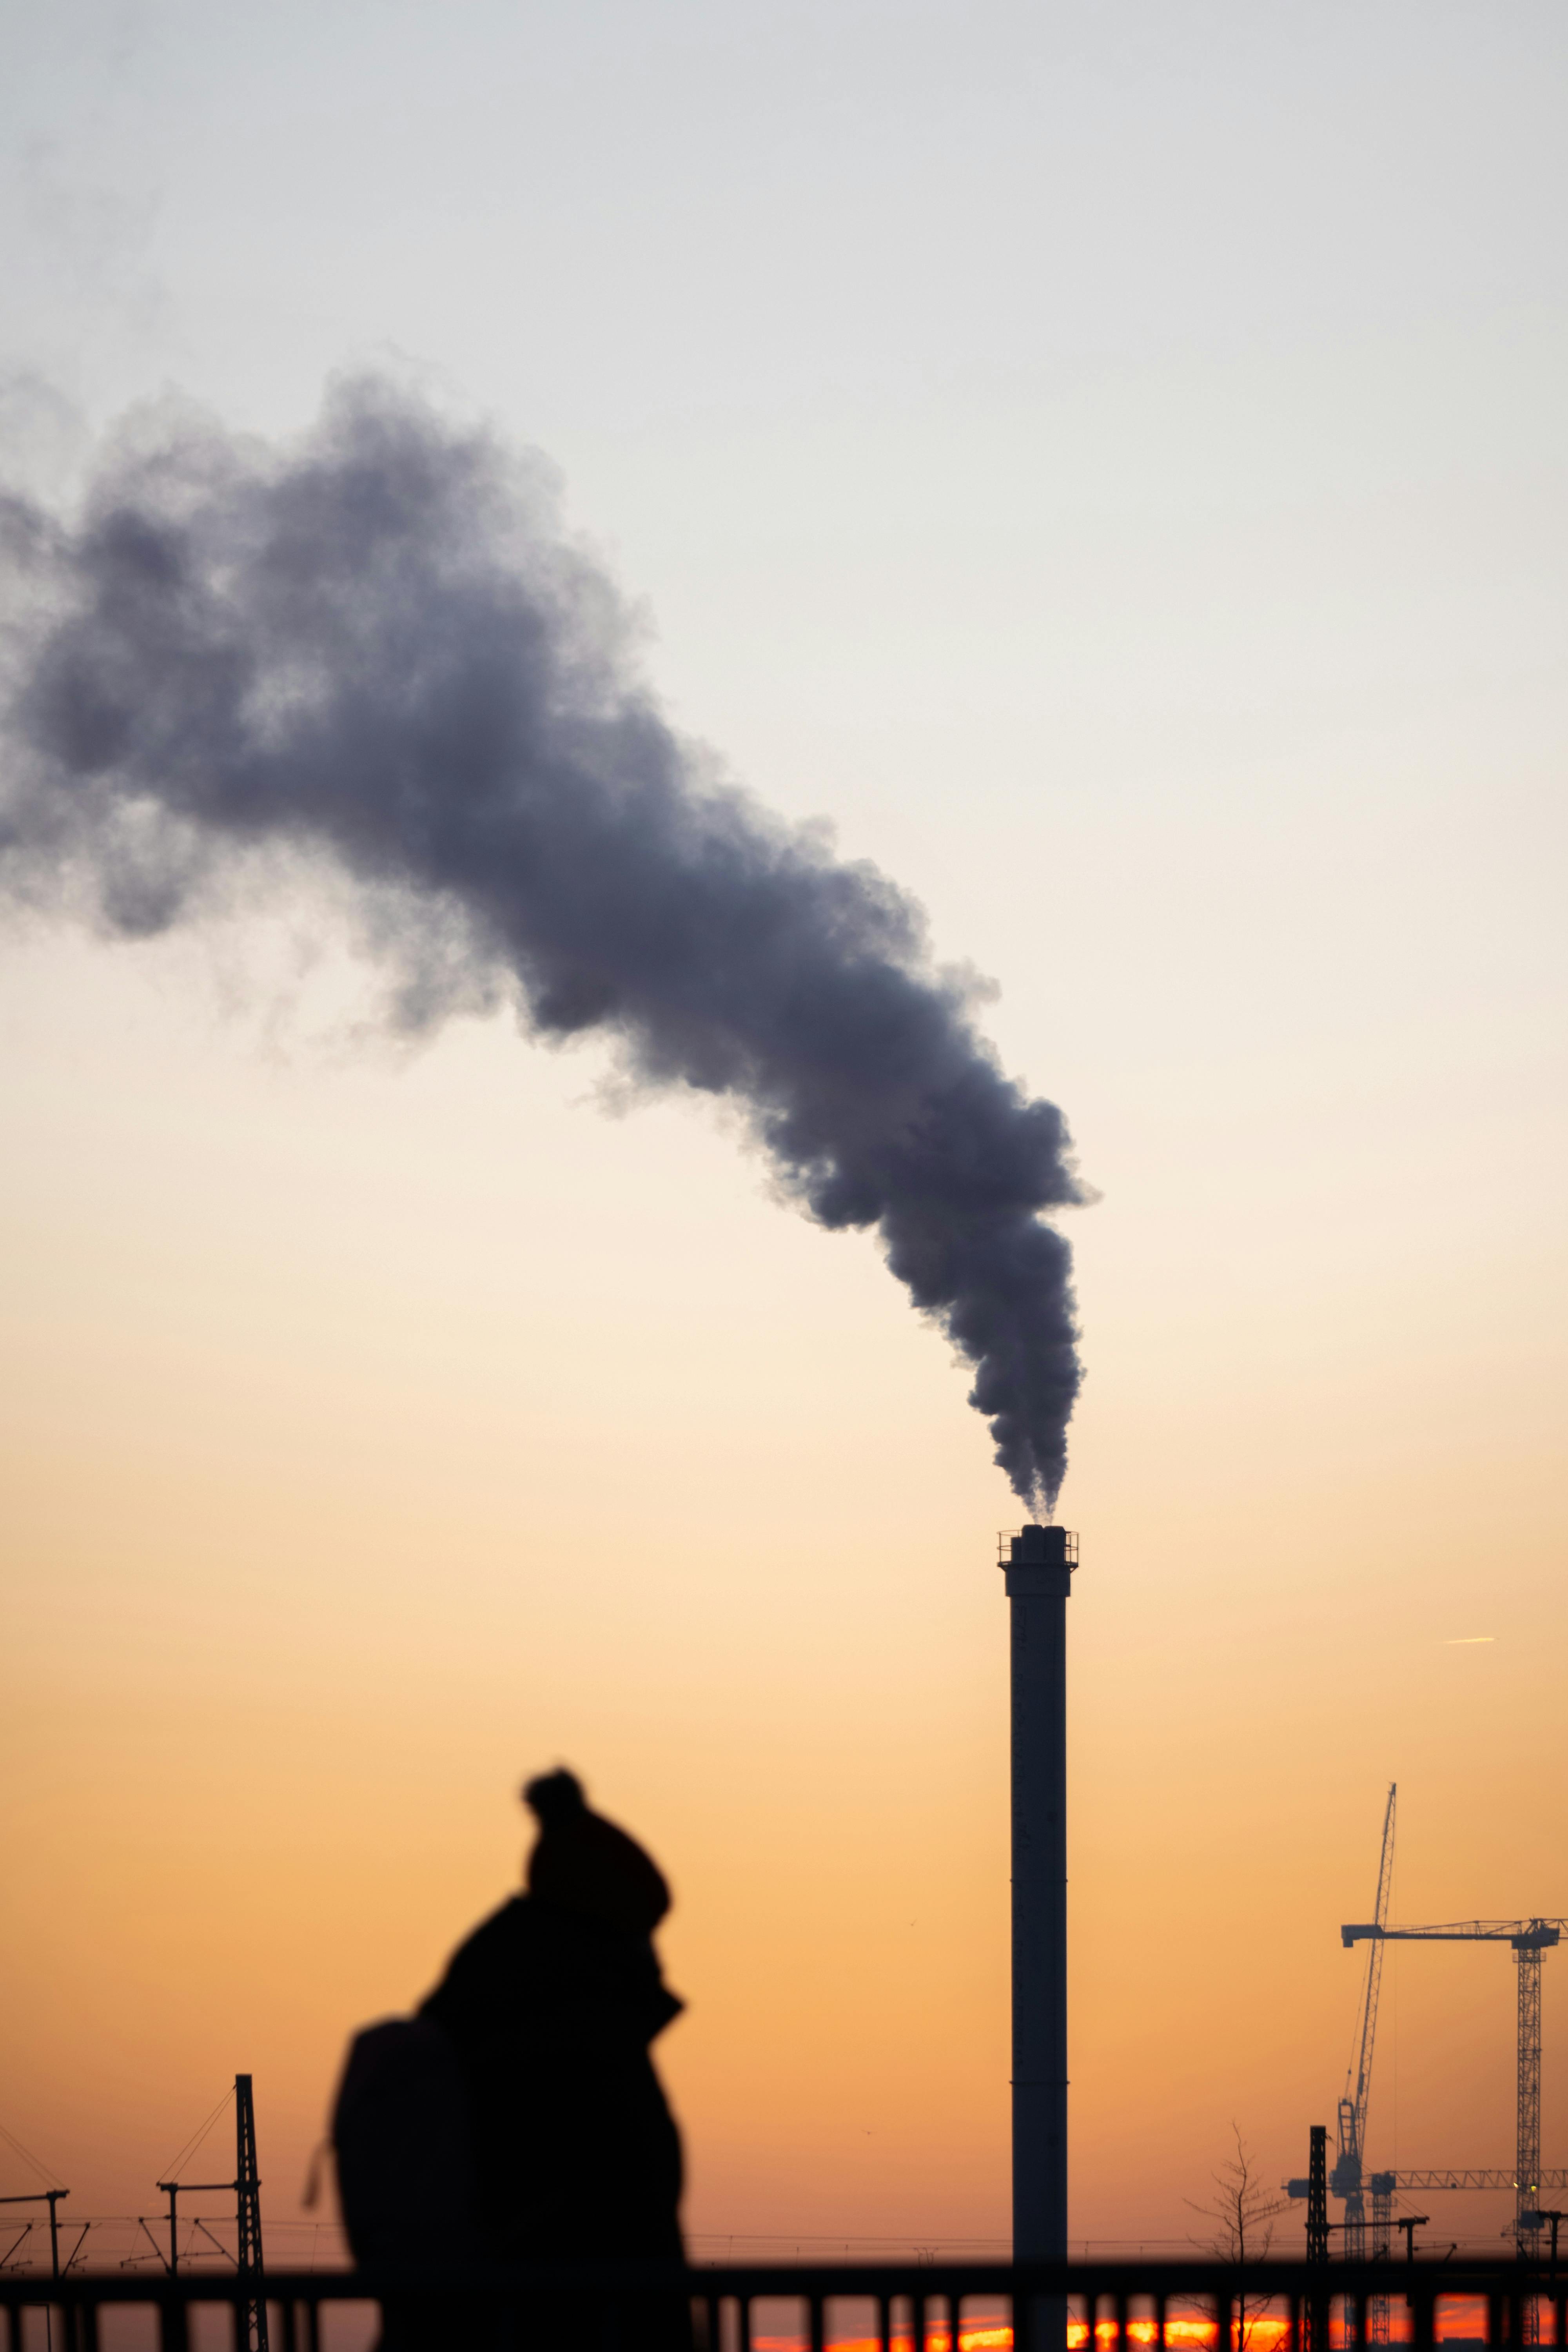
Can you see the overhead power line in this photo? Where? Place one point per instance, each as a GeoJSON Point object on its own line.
{"type": "Point", "coordinates": [51, 2179]}
{"type": "Point", "coordinates": [171, 2171]}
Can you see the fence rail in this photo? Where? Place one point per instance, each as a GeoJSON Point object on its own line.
{"type": "Point", "coordinates": [1114, 2306]}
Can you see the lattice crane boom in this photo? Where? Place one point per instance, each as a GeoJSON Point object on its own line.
{"type": "Point", "coordinates": [1346, 2179]}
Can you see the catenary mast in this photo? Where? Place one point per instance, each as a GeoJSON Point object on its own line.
{"type": "Point", "coordinates": [251, 2311]}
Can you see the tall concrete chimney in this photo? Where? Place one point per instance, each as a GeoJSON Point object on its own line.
{"type": "Point", "coordinates": [1039, 1562]}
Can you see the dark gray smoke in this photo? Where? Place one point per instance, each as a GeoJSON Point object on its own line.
{"type": "Point", "coordinates": [378, 651]}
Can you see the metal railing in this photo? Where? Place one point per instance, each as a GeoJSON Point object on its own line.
{"type": "Point", "coordinates": [1174, 2306]}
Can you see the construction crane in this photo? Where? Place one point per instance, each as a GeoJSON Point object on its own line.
{"type": "Point", "coordinates": [1348, 2177]}
{"type": "Point", "coordinates": [1529, 1939]}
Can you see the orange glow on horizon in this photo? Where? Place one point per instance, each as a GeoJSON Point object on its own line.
{"type": "Point", "coordinates": [995, 2335]}
{"type": "Point", "coordinates": [1460, 2318]}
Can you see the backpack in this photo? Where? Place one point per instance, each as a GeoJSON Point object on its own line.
{"type": "Point", "coordinates": [401, 2135]}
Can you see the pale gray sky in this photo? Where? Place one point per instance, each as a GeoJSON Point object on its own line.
{"type": "Point", "coordinates": [1110, 460]}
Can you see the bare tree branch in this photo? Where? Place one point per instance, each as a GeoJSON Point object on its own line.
{"type": "Point", "coordinates": [1243, 2209]}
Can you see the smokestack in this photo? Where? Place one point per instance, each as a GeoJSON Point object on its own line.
{"type": "Point", "coordinates": [1039, 1563]}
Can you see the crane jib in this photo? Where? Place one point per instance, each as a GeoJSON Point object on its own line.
{"type": "Point", "coordinates": [1524, 1935]}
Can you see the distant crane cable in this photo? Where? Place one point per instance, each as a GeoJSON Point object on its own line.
{"type": "Point", "coordinates": [171, 2171]}
{"type": "Point", "coordinates": [29, 2159]}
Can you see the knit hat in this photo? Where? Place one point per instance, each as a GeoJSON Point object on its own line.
{"type": "Point", "coordinates": [582, 1863]}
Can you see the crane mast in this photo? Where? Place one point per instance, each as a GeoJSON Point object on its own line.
{"type": "Point", "coordinates": [1347, 2178]}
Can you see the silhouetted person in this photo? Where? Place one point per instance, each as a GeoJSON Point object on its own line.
{"type": "Point", "coordinates": [550, 2007]}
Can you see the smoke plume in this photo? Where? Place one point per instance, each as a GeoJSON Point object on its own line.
{"type": "Point", "coordinates": [376, 649]}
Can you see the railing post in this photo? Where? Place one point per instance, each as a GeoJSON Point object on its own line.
{"type": "Point", "coordinates": [81, 2323]}
{"type": "Point", "coordinates": [174, 2320]}
{"type": "Point", "coordinates": [1424, 2300]}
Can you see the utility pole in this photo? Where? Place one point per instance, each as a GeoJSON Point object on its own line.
{"type": "Point", "coordinates": [1317, 2197]}
{"type": "Point", "coordinates": [172, 2190]}
{"type": "Point", "coordinates": [1410, 2223]}
{"type": "Point", "coordinates": [51, 2197]}
{"type": "Point", "coordinates": [1315, 2304]}
{"type": "Point", "coordinates": [251, 2325]}
{"type": "Point", "coordinates": [251, 2328]}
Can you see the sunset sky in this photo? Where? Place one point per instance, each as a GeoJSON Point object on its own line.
{"type": "Point", "coordinates": [1109, 464]}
